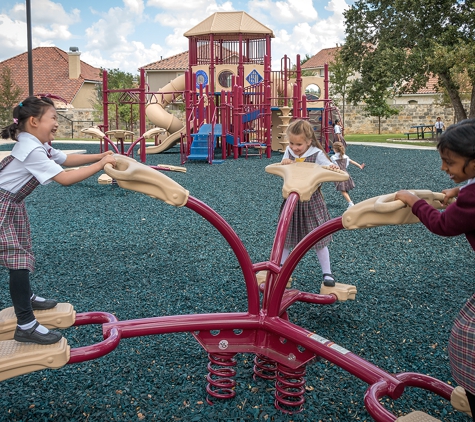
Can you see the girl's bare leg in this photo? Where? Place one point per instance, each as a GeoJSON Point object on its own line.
{"type": "Point", "coordinates": [346, 196]}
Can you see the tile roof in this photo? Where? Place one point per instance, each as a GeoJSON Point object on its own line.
{"type": "Point", "coordinates": [50, 73]}
{"type": "Point", "coordinates": [326, 56]}
{"type": "Point", "coordinates": [176, 62]}
{"type": "Point", "coordinates": [323, 56]}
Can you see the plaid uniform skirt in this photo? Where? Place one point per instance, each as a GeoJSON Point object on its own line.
{"type": "Point", "coordinates": [15, 237]}
{"type": "Point", "coordinates": [336, 138]}
{"type": "Point", "coordinates": [462, 347]}
{"type": "Point", "coordinates": [308, 216]}
{"type": "Point", "coordinates": [347, 185]}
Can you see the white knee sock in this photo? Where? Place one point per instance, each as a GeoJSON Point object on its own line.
{"type": "Point", "coordinates": [285, 254]}
{"type": "Point", "coordinates": [323, 256]}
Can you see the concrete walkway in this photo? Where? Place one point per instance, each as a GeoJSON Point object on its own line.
{"type": "Point", "coordinates": [392, 145]}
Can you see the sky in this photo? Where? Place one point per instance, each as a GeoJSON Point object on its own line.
{"type": "Point", "coordinates": [129, 34]}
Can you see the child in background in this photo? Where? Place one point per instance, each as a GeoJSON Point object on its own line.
{"type": "Point", "coordinates": [439, 127]}
{"type": "Point", "coordinates": [457, 151]}
{"type": "Point", "coordinates": [338, 133]}
{"type": "Point", "coordinates": [33, 162]}
{"type": "Point", "coordinates": [304, 146]}
{"type": "Point", "coordinates": [343, 161]}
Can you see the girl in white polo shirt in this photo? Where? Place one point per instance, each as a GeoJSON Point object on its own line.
{"type": "Point", "coordinates": [33, 162]}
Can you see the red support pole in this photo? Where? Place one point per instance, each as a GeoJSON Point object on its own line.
{"type": "Point", "coordinates": [142, 101]}
{"type": "Point", "coordinates": [326, 107]}
{"type": "Point", "coordinates": [105, 106]}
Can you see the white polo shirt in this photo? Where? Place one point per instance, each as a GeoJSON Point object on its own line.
{"type": "Point", "coordinates": [31, 159]}
{"type": "Point", "coordinates": [321, 158]}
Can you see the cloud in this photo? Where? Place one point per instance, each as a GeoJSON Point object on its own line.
{"type": "Point", "coordinates": [128, 59]}
{"type": "Point", "coordinates": [309, 36]}
{"type": "Point", "coordinates": [12, 37]}
{"type": "Point", "coordinates": [50, 23]}
{"type": "Point", "coordinates": [283, 12]}
{"type": "Point", "coordinates": [45, 12]}
{"type": "Point", "coordinates": [110, 32]}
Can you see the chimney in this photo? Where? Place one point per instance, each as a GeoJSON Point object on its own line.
{"type": "Point", "coordinates": [74, 63]}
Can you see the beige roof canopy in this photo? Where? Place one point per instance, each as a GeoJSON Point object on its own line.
{"type": "Point", "coordinates": [229, 23]}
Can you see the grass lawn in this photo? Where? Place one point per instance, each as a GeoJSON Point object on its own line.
{"type": "Point", "coordinates": [399, 138]}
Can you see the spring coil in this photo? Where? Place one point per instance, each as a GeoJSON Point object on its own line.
{"type": "Point", "coordinates": [220, 383]}
{"type": "Point", "coordinates": [289, 389]}
{"type": "Point", "coordinates": [264, 367]}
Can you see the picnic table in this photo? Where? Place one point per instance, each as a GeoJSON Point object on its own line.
{"type": "Point", "coordinates": [421, 130]}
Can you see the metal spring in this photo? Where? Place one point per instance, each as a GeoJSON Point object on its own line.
{"type": "Point", "coordinates": [264, 367]}
{"type": "Point", "coordinates": [289, 389]}
{"type": "Point", "coordinates": [220, 383]}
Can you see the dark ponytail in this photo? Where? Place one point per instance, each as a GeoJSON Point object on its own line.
{"type": "Point", "coordinates": [30, 107]}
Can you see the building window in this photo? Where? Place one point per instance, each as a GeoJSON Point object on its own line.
{"type": "Point", "coordinates": [412, 102]}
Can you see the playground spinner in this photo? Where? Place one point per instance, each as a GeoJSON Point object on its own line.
{"type": "Point", "coordinates": [282, 349]}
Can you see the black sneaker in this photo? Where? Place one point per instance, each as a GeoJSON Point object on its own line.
{"type": "Point", "coordinates": [329, 282]}
{"type": "Point", "coordinates": [33, 336]}
{"type": "Point", "coordinates": [42, 305]}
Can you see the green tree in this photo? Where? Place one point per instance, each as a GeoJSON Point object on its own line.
{"type": "Point", "coordinates": [9, 96]}
{"type": "Point", "coordinates": [407, 41]}
{"type": "Point", "coordinates": [122, 113]}
{"type": "Point", "coordinates": [340, 81]}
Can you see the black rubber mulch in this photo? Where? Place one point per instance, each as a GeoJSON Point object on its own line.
{"type": "Point", "coordinates": [103, 248]}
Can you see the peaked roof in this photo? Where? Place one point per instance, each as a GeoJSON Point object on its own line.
{"type": "Point", "coordinates": [181, 61]}
{"type": "Point", "coordinates": [177, 62]}
{"type": "Point", "coordinates": [323, 56]}
{"type": "Point", "coordinates": [327, 55]}
{"type": "Point", "coordinates": [50, 73]}
{"type": "Point", "coordinates": [229, 23]}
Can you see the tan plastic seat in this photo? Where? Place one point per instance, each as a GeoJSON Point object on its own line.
{"type": "Point", "coordinates": [459, 400]}
{"type": "Point", "coordinates": [62, 315]}
{"type": "Point", "coordinates": [22, 358]}
{"type": "Point", "coordinates": [417, 416]}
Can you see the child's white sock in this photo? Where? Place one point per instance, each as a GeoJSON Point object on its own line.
{"type": "Point", "coordinates": [37, 298]}
{"type": "Point", "coordinates": [323, 256]}
{"type": "Point", "coordinates": [40, 328]}
{"type": "Point", "coordinates": [285, 255]}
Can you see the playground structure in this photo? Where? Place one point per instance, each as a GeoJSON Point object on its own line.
{"type": "Point", "coordinates": [282, 349]}
{"type": "Point", "coordinates": [232, 97]}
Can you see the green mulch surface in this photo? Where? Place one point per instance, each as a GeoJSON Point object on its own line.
{"type": "Point", "coordinates": [103, 248]}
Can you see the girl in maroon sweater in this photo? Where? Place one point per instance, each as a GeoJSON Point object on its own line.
{"type": "Point", "coordinates": [457, 151]}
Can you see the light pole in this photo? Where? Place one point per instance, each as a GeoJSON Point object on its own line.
{"type": "Point", "coordinates": [30, 53]}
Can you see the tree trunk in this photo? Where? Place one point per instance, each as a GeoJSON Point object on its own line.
{"type": "Point", "coordinates": [460, 113]}
{"type": "Point", "coordinates": [379, 125]}
{"type": "Point", "coordinates": [471, 114]}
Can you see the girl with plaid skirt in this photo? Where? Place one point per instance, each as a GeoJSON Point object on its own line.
{"type": "Point", "coordinates": [304, 146]}
{"type": "Point", "coordinates": [33, 162]}
{"type": "Point", "coordinates": [343, 161]}
{"type": "Point", "coordinates": [456, 147]}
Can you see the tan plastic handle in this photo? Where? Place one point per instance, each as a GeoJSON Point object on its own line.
{"type": "Point", "coordinates": [305, 178]}
{"type": "Point", "coordinates": [386, 204]}
{"type": "Point", "coordinates": [138, 177]}
{"type": "Point", "coordinates": [385, 210]}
